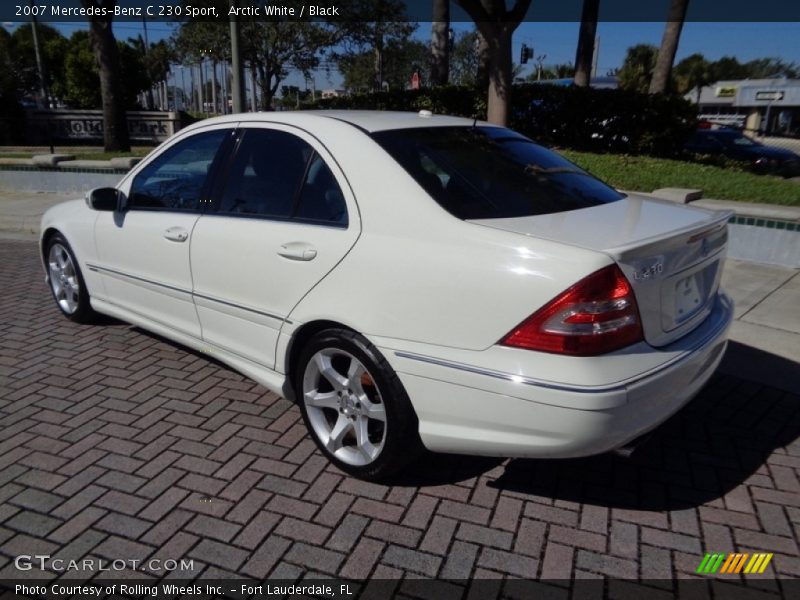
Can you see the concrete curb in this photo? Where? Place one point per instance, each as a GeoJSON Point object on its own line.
{"type": "Point", "coordinates": [51, 160]}
{"type": "Point", "coordinates": [742, 209]}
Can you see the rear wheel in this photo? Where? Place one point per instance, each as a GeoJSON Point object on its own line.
{"type": "Point", "coordinates": [355, 406]}
{"type": "Point", "coordinates": [66, 281]}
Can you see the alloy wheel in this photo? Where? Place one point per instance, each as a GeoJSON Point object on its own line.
{"type": "Point", "coordinates": [63, 278]}
{"type": "Point", "coordinates": [344, 406]}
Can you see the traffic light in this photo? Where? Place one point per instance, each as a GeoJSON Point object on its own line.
{"type": "Point", "coordinates": [526, 54]}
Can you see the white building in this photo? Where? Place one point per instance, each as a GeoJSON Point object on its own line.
{"type": "Point", "coordinates": [767, 106]}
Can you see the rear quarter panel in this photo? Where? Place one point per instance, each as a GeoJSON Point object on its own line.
{"type": "Point", "coordinates": [418, 273]}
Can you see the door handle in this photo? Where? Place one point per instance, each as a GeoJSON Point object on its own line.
{"type": "Point", "coordinates": [297, 251]}
{"type": "Point", "coordinates": [176, 234]}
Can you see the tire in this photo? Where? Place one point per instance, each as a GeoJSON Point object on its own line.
{"type": "Point", "coordinates": [355, 406]}
{"type": "Point", "coordinates": [66, 281]}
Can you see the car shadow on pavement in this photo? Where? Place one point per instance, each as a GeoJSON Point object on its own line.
{"type": "Point", "coordinates": [719, 441]}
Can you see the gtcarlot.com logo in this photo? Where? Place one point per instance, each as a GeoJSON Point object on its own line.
{"type": "Point", "coordinates": [45, 562]}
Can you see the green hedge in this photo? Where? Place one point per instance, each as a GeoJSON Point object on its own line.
{"type": "Point", "coordinates": [580, 118]}
{"type": "Point", "coordinates": [12, 121]}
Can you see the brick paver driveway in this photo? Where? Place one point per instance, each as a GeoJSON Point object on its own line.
{"type": "Point", "coordinates": [116, 444]}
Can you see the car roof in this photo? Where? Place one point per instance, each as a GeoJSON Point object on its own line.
{"type": "Point", "coordinates": [377, 120]}
{"type": "Point", "coordinates": [366, 120]}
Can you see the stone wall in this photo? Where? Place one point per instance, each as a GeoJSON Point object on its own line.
{"type": "Point", "coordinates": [86, 126]}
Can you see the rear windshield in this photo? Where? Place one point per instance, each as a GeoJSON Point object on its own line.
{"type": "Point", "coordinates": [491, 172]}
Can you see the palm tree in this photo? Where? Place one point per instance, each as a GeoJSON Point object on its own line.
{"type": "Point", "coordinates": [440, 46]}
{"type": "Point", "coordinates": [497, 24]}
{"type": "Point", "coordinates": [669, 46]}
{"type": "Point", "coordinates": [586, 36]}
{"type": "Point", "coordinates": [637, 69]}
{"type": "Point", "coordinates": [115, 122]}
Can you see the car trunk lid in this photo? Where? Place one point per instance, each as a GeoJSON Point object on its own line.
{"type": "Point", "coordinates": [671, 254]}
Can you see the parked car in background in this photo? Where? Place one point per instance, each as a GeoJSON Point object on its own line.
{"type": "Point", "coordinates": [412, 281]}
{"type": "Point", "coordinates": [735, 145]}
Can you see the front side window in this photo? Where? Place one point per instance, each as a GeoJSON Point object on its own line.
{"type": "Point", "coordinates": [278, 175]}
{"type": "Point", "coordinates": [176, 179]}
{"type": "Point", "coordinates": [491, 172]}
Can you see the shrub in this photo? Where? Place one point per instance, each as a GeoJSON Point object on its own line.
{"type": "Point", "coordinates": [581, 118]}
{"type": "Point", "coordinates": [12, 120]}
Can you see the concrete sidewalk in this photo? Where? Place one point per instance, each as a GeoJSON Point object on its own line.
{"type": "Point", "coordinates": [21, 211]}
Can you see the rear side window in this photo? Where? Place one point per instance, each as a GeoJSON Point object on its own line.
{"type": "Point", "coordinates": [275, 174]}
{"type": "Point", "coordinates": [491, 172]}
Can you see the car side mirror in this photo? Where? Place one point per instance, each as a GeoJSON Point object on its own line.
{"type": "Point", "coordinates": [106, 199]}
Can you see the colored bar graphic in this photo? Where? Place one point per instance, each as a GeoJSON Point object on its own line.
{"type": "Point", "coordinates": [732, 558]}
{"type": "Point", "coordinates": [734, 562]}
{"type": "Point", "coordinates": [703, 563]}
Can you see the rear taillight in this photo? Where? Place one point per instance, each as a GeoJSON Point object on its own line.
{"type": "Point", "coordinates": [596, 315]}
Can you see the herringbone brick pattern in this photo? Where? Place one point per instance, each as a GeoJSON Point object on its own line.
{"type": "Point", "coordinates": [117, 444]}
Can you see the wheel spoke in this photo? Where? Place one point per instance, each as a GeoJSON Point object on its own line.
{"type": "Point", "coordinates": [373, 410]}
{"type": "Point", "coordinates": [61, 259]}
{"type": "Point", "coordinates": [354, 373]}
{"type": "Point", "coordinates": [366, 447]}
{"type": "Point", "coordinates": [322, 399]}
{"type": "Point", "coordinates": [326, 369]}
{"type": "Point", "coordinates": [338, 433]}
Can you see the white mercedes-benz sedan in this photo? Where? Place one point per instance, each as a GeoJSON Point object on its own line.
{"type": "Point", "coordinates": [411, 281]}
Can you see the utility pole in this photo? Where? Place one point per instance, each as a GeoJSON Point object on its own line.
{"type": "Point", "coordinates": [237, 80]}
{"type": "Point", "coordinates": [596, 56]}
{"type": "Point", "coordinates": [150, 103]}
{"type": "Point", "coordinates": [539, 65]}
{"type": "Point", "coordinates": [40, 70]}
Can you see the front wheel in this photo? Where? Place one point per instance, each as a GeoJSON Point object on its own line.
{"type": "Point", "coordinates": [355, 406]}
{"type": "Point", "coordinates": [66, 281]}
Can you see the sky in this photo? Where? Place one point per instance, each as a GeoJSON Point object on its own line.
{"type": "Point", "coordinates": [557, 41]}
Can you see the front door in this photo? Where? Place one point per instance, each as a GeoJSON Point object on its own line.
{"type": "Point", "coordinates": [143, 253]}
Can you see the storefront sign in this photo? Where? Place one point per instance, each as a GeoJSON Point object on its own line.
{"type": "Point", "coordinates": [769, 95]}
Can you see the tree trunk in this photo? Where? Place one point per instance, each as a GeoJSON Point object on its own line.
{"type": "Point", "coordinates": [440, 43]}
{"type": "Point", "coordinates": [669, 46]}
{"type": "Point", "coordinates": [484, 60]}
{"type": "Point", "coordinates": [500, 76]}
{"type": "Point", "coordinates": [115, 123]}
{"type": "Point", "coordinates": [496, 25]}
{"type": "Point", "coordinates": [586, 37]}
{"type": "Point", "coordinates": [378, 74]}
{"type": "Point", "coordinates": [254, 99]}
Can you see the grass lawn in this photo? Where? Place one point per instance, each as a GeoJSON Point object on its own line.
{"type": "Point", "coordinates": [645, 174]}
{"type": "Point", "coordinates": [15, 155]}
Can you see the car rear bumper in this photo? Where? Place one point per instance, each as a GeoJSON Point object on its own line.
{"type": "Point", "coordinates": [471, 410]}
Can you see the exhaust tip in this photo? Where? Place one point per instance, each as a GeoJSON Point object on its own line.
{"type": "Point", "coordinates": [628, 449]}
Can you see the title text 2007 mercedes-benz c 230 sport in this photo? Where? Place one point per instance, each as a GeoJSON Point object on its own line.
{"type": "Point", "coordinates": [411, 280]}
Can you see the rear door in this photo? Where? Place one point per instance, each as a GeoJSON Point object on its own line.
{"type": "Point", "coordinates": [143, 253]}
{"type": "Point", "coordinates": [285, 216]}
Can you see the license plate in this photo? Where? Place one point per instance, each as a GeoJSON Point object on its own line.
{"type": "Point", "coordinates": [688, 298]}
